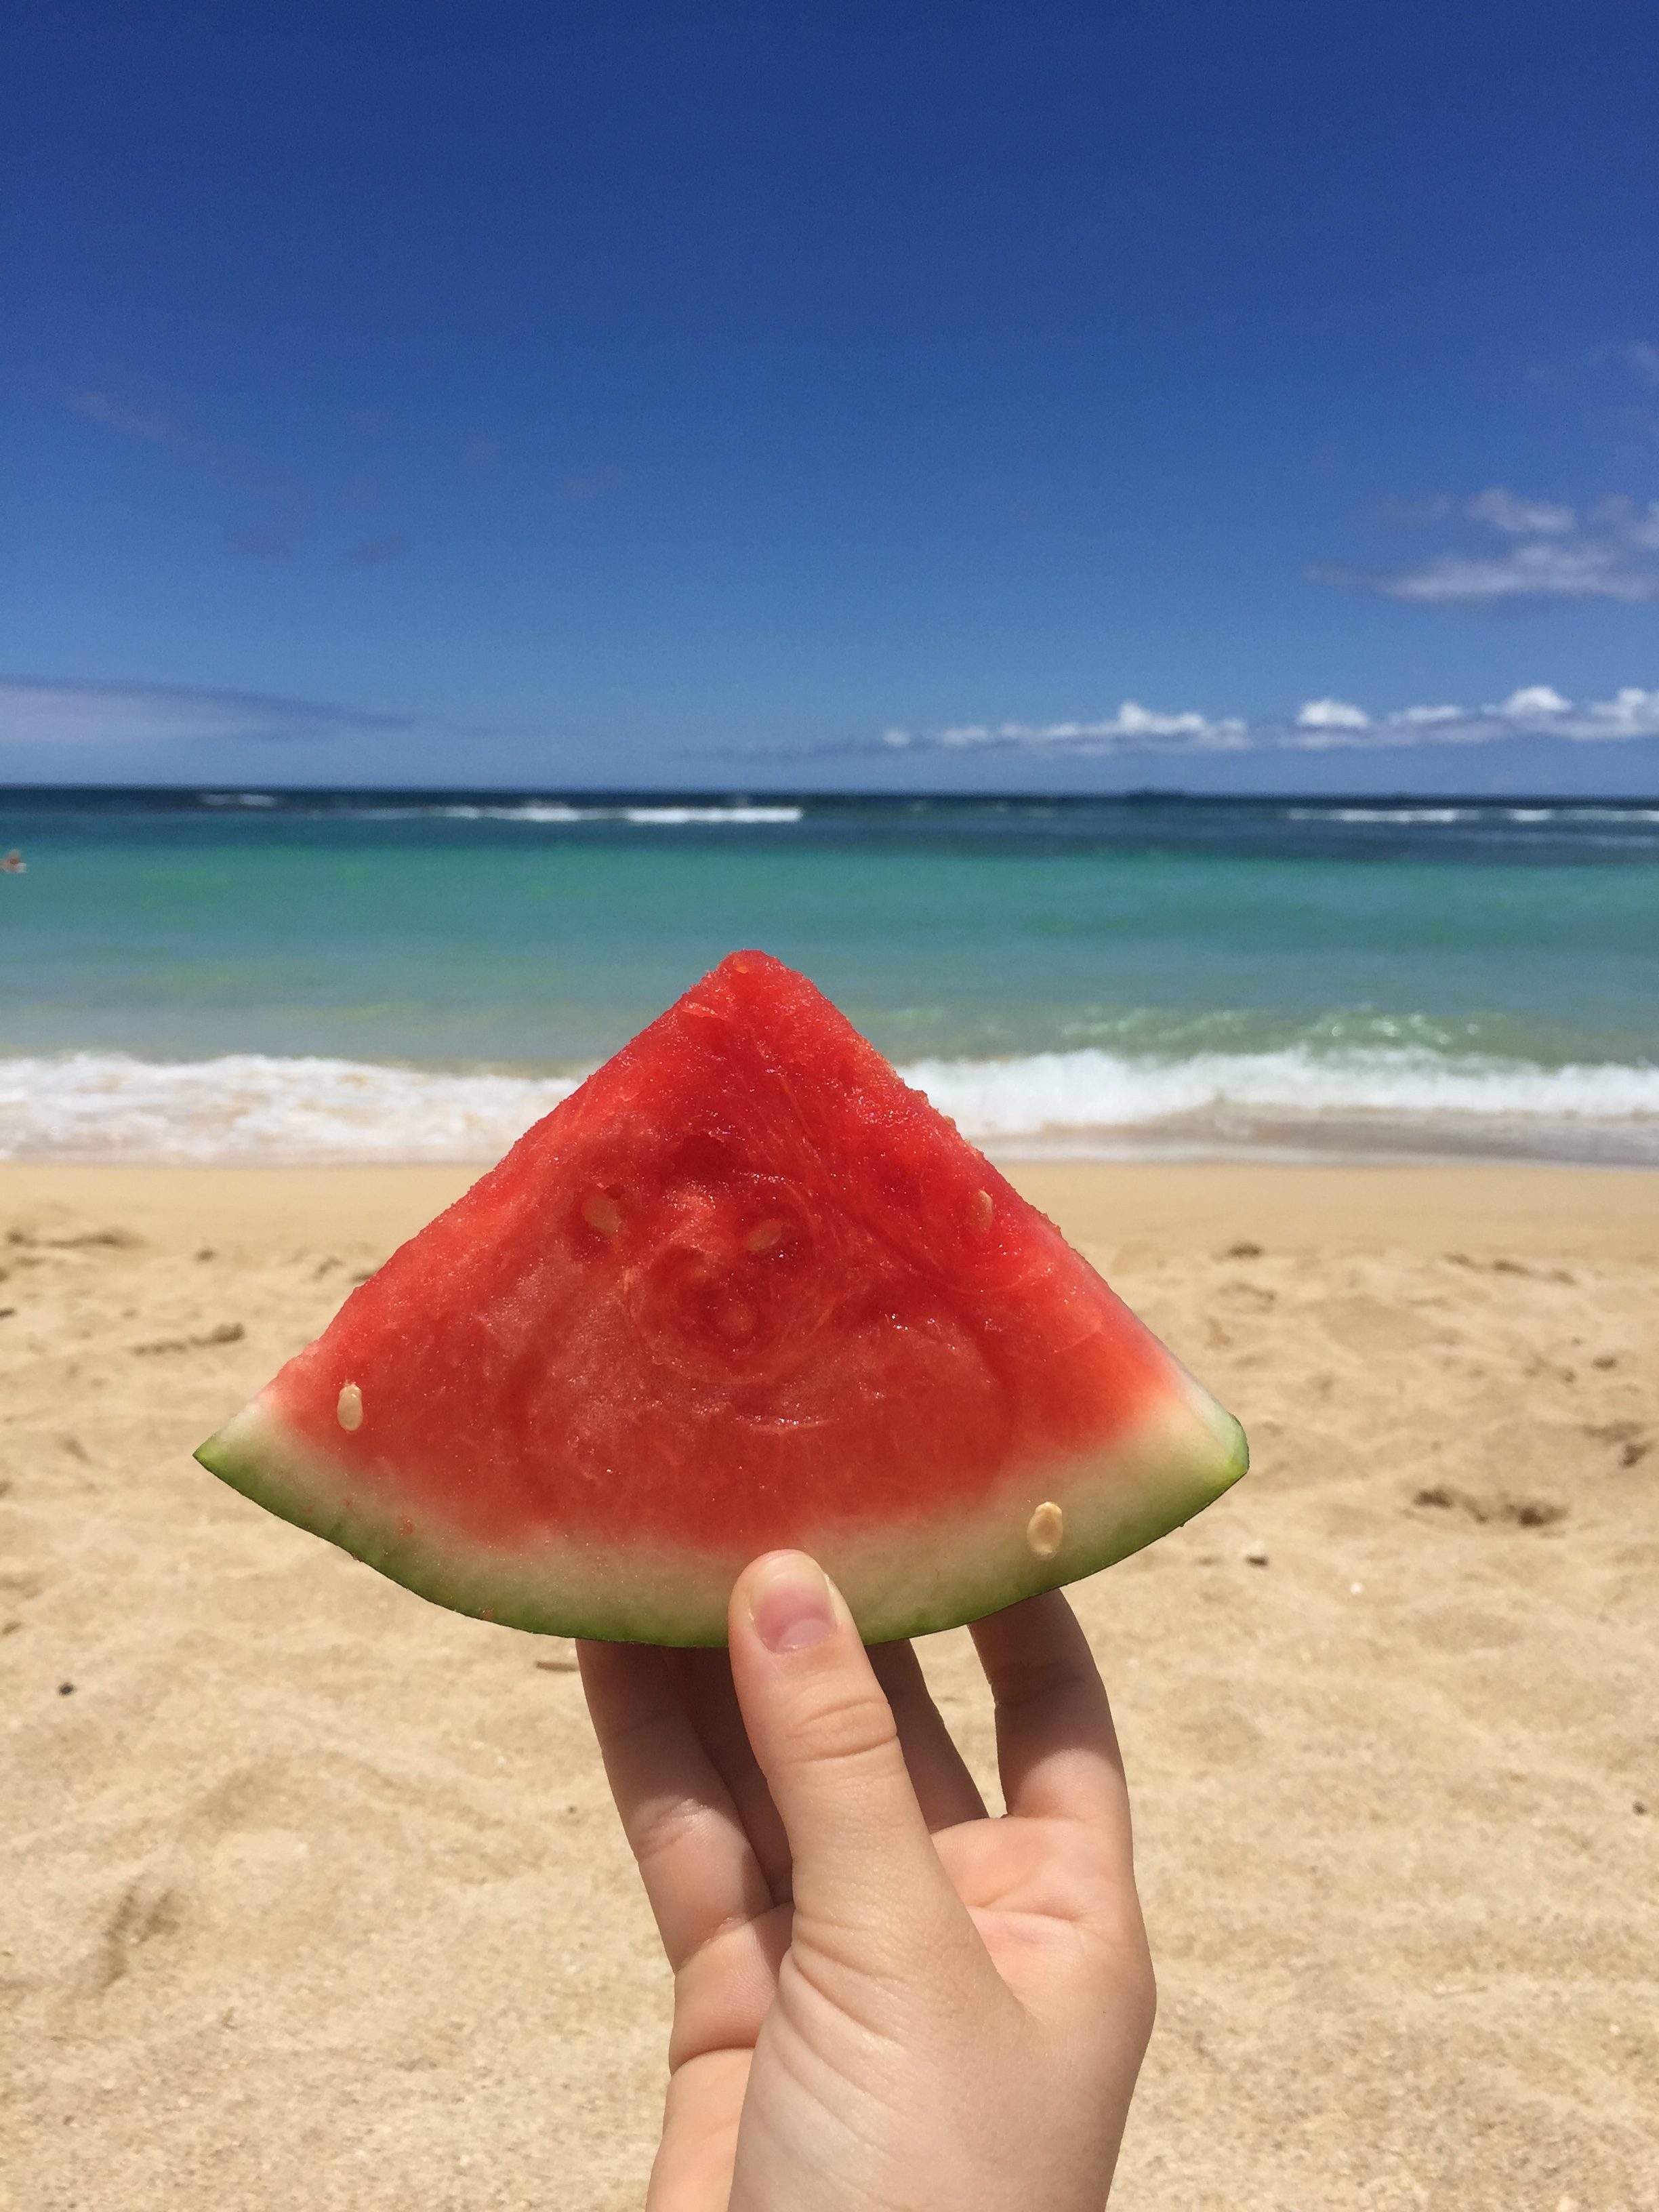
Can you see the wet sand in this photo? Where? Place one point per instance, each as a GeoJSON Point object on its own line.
{"type": "Point", "coordinates": [310, 1895]}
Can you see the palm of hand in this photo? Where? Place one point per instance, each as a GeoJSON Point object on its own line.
{"type": "Point", "coordinates": [934, 2007]}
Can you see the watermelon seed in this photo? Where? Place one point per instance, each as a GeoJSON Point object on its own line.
{"type": "Point", "coordinates": [763, 1236]}
{"type": "Point", "coordinates": [602, 1213]}
{"type": "Point", "coordinates": [1045, 1532]}
{"type": "Point", "coordinates": [980, 1211]}
{"type": "Point", "coordinates": [348, 1408]}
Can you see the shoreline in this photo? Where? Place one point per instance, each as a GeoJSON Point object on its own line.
{"type": "Point", "coordinates": [1333, 1140]}
{"type": "Point", "coordinates": [1291, 1101]}
{"type": "Point", "coordinates": [1419, 1207]}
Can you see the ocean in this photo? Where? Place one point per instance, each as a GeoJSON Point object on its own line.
{"type": "Point", "coordinates": [281, 975]}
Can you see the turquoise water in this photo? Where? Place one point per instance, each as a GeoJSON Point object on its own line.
{"type": "Point", "coordinates": [1208, 971]}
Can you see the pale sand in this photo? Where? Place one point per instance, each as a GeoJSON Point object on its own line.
{"type": "Point", "coordinates": [312, 1895]}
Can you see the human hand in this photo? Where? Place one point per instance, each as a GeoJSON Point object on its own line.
{"type": "Point", "coordinates": [884, 2000]}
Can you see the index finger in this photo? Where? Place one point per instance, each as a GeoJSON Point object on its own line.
{"type": "Point", "coordinates": [1056, 1747]}
{"type": "Point", "coordinates": [700, 1871]}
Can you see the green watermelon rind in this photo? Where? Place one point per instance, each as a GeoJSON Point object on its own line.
{"type": "Point", "coordinates": [935, 1573]}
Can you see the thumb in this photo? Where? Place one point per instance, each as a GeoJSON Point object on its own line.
{"type": "Point", "coordinates": [823, 1735]}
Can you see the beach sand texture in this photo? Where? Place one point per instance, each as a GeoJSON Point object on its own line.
{"type": "Point", "coordinates": [311, 1896]}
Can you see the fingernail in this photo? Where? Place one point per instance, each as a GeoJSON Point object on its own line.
{"type": "Point", "coordinates": [789, 1603]}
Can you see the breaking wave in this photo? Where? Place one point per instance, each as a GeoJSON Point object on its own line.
{"type": "Point", "coordinates": [1056, 1091]}
{"type": "Point", "coordinates": [1437, 816]}
{"type": "Point", "coordinates": [649, 817]}
{"type": "Point", "coordinates": [674, 816]}
{"type": "Point", "coordinates": [250, 1108]}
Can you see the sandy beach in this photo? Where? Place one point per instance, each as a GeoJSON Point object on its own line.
{"type": "Point", "coordinates": [311, 1896]}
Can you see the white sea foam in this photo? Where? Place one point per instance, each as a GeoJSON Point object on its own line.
{"type": "Point", "coordinates": [534, 810]}
{"type": "Point", "coordinates": [247, 1107]}
{"type": "Point", "coordinates": [1440, 815]}
{"type": "Point", "coordinates": [556, 809]}
{"type": "Point", "coordinates": [673, 818]}
{"type": "Point", "coordinates": [1058, 1092]}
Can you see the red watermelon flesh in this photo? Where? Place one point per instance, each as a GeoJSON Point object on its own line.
{"type": "Point", "coordinates": [744, 1289]}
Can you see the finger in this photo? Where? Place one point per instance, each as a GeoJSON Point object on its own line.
{"type": "Point", "coordinates": [695, 1859]}
{"type": "Point", "coordinates": [827, 1743]}
{"type": "Point", "coordinates": [1056, 1747]}
{"type": "Point", "coordinates": [703, 1680]}
{"type": "Point", "coordinates": [946, 1790]}
{"type": "Point", "coordinates": [692, 2171]}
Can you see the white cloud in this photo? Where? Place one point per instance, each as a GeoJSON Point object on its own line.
{"type": "Point", "coordinates": [1533, 710]}
{"type": "Point", "coordinates": [1332, 714]}
{"type": "Point", "coordinates": [1609, 551]}
{"type": "Point", "coordinates": [1631, 713]}
{"type": "Point", "coordinates": [1133, 728]}
{"type": "Point", "coordinates": [38, 711]}
{"type": "Point", "coordinates": [1520, 518]}
{"type": "Point", "coordinates": [1624, 518]}
{"type": "Point", "coordinates": [1538, 699]}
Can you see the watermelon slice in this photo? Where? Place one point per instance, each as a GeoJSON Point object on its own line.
{"type": "Point", "coordinates": [743, 1290]}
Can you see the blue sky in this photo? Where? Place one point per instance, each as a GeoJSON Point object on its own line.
{"type": "Point", "coordinates": [982, 396]}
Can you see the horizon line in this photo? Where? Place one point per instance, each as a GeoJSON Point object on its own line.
{"type": "Point", "coordinates": [745, 795]}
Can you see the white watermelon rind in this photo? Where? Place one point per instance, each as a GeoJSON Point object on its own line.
{"type": "Point", "coordinates": [936, 1571]}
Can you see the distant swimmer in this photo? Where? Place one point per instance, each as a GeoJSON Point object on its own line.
{"type": "Point", "coordinates": [13, 863]}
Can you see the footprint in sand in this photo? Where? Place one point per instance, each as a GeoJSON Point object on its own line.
{"type": "Point", "coordinates": [227, 1331]}
{"type": "Point", "coordinates": [1368, 1327]}
{"type": "Point", "coordinates": [1519, 1512]}
{"type": "Point", "coordinates": [147, 1908]}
